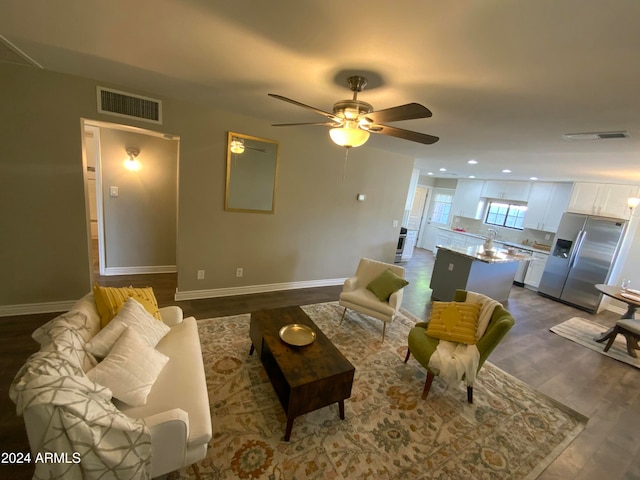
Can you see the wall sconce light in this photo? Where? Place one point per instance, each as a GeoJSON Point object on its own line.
{"type": "Point", "coordinates": [632, 203]}
{"type": "Point", "coordinates": [237, 145]}
{"type": "Point", "coordinates": [132, 162]}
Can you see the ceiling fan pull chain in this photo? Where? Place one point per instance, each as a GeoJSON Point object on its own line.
{"type": "Point", "coordinates": [344, 167]}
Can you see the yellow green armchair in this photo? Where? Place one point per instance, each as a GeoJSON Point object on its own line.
{"type": "Point", "coordinates": [423, 346]}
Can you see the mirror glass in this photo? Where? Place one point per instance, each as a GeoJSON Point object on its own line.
{"type": "Point", "coordinates": [252, 168]}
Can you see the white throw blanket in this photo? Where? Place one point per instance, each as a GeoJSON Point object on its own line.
{"type": "Point", "coordinates": [487, 306]}
{"type": "Point", "coordinates": [90, 436]}
{"type": "Point", "coordinates": [454, 360]}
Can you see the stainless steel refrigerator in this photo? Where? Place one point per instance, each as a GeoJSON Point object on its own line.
{"type": "Point", "coordinates": [583, 253]}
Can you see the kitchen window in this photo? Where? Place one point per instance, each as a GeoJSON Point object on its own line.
{"type": "Point", "coordinates": [506, 215]}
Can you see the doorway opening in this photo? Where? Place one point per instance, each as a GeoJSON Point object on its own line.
{"type": "Point", "coordinates": [131, 215]}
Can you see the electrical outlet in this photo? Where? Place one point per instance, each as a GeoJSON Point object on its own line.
{"type": "Point", "coordinates": [395, 223]}
{"type": "Point", "coordinates": [239, 272]}
{"type": "Point", "coordinates": [200, 274]}
{"type": "Point", "coordinates": [547, 236]}
{"type": "Point", "coordinates": [451, 267]}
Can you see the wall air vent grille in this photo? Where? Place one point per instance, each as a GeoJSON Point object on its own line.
{"type": "Point", "coordinates": [129, 105]}
{"type": "Point", "coordinates": [595, 135]}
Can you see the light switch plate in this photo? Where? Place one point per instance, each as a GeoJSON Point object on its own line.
{"type": "Point", "coordinates": [113, 191]}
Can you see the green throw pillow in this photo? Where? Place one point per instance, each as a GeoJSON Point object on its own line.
{"type": "Point", "coordinates": [385, 284]}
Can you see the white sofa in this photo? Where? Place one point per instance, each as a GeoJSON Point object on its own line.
{"type": "Point", "coordinates": [170, 431]}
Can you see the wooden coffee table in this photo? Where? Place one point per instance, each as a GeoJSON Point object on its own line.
{"type": "Point", "coordinates": [304, 378]}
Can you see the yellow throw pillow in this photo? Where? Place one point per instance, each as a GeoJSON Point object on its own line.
{"type": "Point", "coordinates": [454, 322]}
{"type": "Point", "coordinates": [109, 301]}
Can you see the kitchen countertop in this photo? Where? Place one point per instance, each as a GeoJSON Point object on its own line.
{"type": "Point", "coordinates": [505, 243]}
{"type": "Point", "coordinates": [477, 253]}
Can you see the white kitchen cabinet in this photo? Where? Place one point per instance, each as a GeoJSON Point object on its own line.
{"type": "Point", "coordinates": [450, 238]}
{"type": "Point", "coordinates": [505, 190]}
{"type": "Point", "coordinates": [443, 237]}
{"type": "Point", "coordinates": [547, 202]}
{"type": "Point", "coordinates": [536, 269]}
{"type": "Point", "coordinates": [474, 241]}
{"type": "Point", "coordinates": [458, 240]}
{"type": "Point", "coordinates": [409, 244]}
{"type": "Point", "coordinates": [467, 201]}
{"type": "Point", "coordinates": [606, 200]}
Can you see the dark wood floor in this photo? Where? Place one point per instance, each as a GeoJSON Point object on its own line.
{"type": "Point", "coordinates": [603, 389]}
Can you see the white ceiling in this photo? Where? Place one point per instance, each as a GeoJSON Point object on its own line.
{"type": "Point", "coordinates": [505, 79]}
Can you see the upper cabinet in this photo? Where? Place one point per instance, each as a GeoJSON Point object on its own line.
{"type": "Point", "coordinates": [467, 200]}
{"type": "Point", "coordinates": [547, 202]}
{"type": "Point", "coordinates": [605, 200]}
{"type": "Point", "coordinates": [505, 190]}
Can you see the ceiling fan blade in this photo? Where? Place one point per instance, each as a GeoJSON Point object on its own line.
{"type": "Point", "coordinates": [410, 111]}
{"type": "Point", "coordinates": [404, 134]}
{"type": "Point", "coordinates": [317, 110]}
{"type": "Point", "coordinates": [324, 124]}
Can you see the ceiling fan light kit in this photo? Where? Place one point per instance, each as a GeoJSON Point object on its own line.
{"type": "Point", "coordinates": [236, 146]}
{"type": "Point", "coordinates": [349, 135]}
{"type": "Point", "coordinates": [353, 120]}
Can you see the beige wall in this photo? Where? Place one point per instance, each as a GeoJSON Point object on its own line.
{"type": "Point", "coordinates": [140, 224]}
{"type": "Point", "coordinates": [319, 230]}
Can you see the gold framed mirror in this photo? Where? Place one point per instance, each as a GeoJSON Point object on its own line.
{"type": "Point", "coordinates": [252, 174]}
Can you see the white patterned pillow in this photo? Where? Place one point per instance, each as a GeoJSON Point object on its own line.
{"type": "Point", "coordinates": [133, 315]}
{"type": "Point", "coordinates": [130, 369]}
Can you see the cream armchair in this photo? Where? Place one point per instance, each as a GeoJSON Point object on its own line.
{"type": "Point", "coordinates": [356, 296]}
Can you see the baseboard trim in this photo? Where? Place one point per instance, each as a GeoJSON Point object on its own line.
{"type": "Point", "coordinates": [271, 287]}
{"type": "Point", "coordinates": [616, 309]}
{"type": "Point", "coordinates": [33, 308]}
{"type": "Point", "coordinates": [110, 271]}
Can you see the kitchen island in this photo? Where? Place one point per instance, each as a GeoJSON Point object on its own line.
{"type": "Point", "coordinates": [471, 269]}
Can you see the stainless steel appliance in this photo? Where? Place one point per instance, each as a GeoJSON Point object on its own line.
{"type": "Point", "coordinates": [400, 248]}
{"type": "Point", "coordinates": [582, 255]}
{"type": "Point", "coordinates": [523, 265]}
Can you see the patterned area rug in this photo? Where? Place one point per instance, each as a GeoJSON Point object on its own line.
{"type": "Point", "coordinates": [583, 332]}
{"type": "Point", "coordinates": [509, 432]}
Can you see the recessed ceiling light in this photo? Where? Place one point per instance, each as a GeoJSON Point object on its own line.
{"type": "Point", "coordinates": [443, 169]}
{"type": "Point", "coordinates": [506, 170]}
{"type": "Point", "coordinates": [429, 173]}
{"type": "Point", "coordinates": [472, 162]}
{"type": "Point", "coordinates": [533, 178]}
{"type": "Point", "coordinates": [472, 176]}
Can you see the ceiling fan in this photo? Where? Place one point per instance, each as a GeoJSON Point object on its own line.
{"type": "Point", "coordinates": [353, 120]}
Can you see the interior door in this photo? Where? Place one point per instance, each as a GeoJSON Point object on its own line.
{"type": "Point", "coordinates": [417, 210]}
{"type": "Point", "coordinates": [438, 215]}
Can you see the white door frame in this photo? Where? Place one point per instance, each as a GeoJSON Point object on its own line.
{"type": "Point", "coordinates": [95, 130]}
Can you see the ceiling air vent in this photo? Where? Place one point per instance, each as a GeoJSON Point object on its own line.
{"type": "Point", "coordinates": [595, 135]}
{"type": "Point", "coordinates": [129, 105]}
